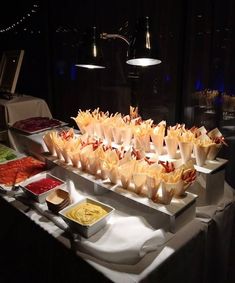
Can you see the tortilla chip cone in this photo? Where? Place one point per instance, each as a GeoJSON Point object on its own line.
{"type": "Point", "coordinates": [213, 151]}
{"type": "Point", "coordinates": [200, 154]}
{"type": "Point", "coordinates": [186, 149]}
{"type": "Point", "coordinates": [158, 142]}
{"type": "Point", "coordinates": [171, 147]}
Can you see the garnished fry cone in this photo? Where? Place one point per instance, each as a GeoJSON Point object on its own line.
{"type": "Point", "coordinates": [186, 149]}
{"type": "Point", "coordinates": [164, 195]}
{"type": "Point", "coordinates": [213, 151]}
{"type": "Point", "coordinates": [158, 142]}
{"type": "Point", "coordinates": [139, 180]}
{"type": "Point", "coordinates": [171, 146]}
{"type": "Point", "coordinates": [153, 186]}
{"type": "Point", "coordinates": [200, 154]}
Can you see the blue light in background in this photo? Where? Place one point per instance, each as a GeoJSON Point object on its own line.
{"type": "Point", "coordinates": [198, 85]}
{"type": "Point", "coordinates": [167, 78]}
{"type": "Point", "coordinates": [219, 85]}
{"type": "Point", "coordinates": [73, 72]}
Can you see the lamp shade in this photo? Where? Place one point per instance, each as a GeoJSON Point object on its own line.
{"type": "Point", "coordinates": [89, 53]}
{"type": "Point", "coordinates": [143, 50]}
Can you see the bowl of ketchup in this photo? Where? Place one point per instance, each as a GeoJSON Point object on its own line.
{"type": "Point", "coordinates": [41, 185]}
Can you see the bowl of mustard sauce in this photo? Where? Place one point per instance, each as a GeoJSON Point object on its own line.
{"type": "Point", "coordinates": [87, 216]}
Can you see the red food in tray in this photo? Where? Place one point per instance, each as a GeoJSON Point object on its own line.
{"type": "Point", "coordinates": [16, 171]}
{"type": "Point", "coordinates": [35, 124]}
{"type": "Point", "coordinates": [43, 185]}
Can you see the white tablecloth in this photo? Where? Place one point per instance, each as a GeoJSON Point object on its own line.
{"type": "Point", "coordinates": [198, 252]}
{"type": "Point", "coordinates": [23, 107]}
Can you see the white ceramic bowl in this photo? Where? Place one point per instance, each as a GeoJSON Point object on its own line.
{"type": "Point", "coordinates": [87, 230]}
{"type": "Point", "coordinates": [39, 197]}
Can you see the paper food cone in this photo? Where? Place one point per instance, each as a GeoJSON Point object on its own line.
{"type": "Point", "coordinates": [59, 153]}
{"type": "Point", "coordinates": [158, 142]}
{"type": "Point", "coordinates": [103, 173]}
{"type": "Point", "coordinates": [125, 175]}
{"type": "Point", "coordinates": [213, 151]}
{"type": "Point", "coordinates": [89, 129]}
{"type": "Point", "coordinates": [142, 142]}
{"type": "Point", "coordinates": [125, 181]}
{"type": "Point", "coordinates": [153, 186]}
{"type": "Point", "coordinates": [75, 159]}
{"type": "Point", "coordinates": [113, 175]}
{"type": "Point", "coordinates": [50, 146]}
{"type": "Point", "coordinates": [139, 180]}
{"type": "Point", "coordinates": [178, 188]}
{"type": "Point", "coordinates": [66, 156]}
{"type": "Point", "coordinates": [164, 195]}
{"type": "Point", "coordinates": [117, 135]}
{"type": "Point", "coordinates": [98, 131]}
{"type": "Point", "coordinates": [126, 136]}
{"type": "Point", "coordinates": [81, 127]}
{"type": "Point", "coordinates": [108, 135]}
{"type": "Point", "coordinates": [171, 147]}
{"type": "Point", "coordinates": [83, 162]}
{"type": "Point", "coordinates": [200, 153]}
{"type": "Point", "coordinates": [92, 165]}
{"type": "Point", "coordinates": [186, 149]}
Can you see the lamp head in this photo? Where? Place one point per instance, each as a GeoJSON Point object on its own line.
{"type": "Point", "coordinates": [90, 54]}
{"type": "Point", "coordinates": [143, 50]}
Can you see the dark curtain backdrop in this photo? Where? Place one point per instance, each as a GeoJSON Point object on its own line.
{"type": "Point", "coordinates": [196, 41]}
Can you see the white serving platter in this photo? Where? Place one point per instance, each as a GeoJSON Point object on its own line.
{"type": "Point", "coordinates": [62, 124]}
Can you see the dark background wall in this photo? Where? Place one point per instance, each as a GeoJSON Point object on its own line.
{"type": "Point", "coordinates": [196, 40]}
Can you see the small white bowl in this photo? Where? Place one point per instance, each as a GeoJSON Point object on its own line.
{"type": "Point", "coordinates": [84, 229]}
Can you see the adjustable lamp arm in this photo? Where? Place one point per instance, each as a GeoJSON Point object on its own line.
{"type": "Point", "coordinates": [114, 36]}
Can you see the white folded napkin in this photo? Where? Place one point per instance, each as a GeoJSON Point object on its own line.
{"type": "Point", "coordinates": [125, 240]}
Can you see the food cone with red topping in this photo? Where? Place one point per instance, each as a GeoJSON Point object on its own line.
{"type": "Point", "coordinates": [171, 147]}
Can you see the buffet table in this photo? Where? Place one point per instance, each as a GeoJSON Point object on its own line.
{"type": "Point", "coordinates": [197, 252]}
{"type": "Point", "coordinates": [190, 255]}
{"type": "Point", "coordinates": [22, 107]}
